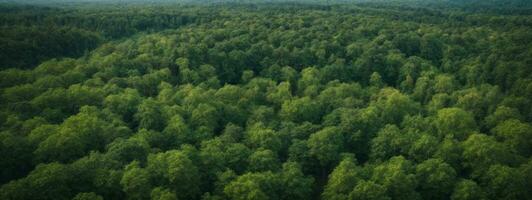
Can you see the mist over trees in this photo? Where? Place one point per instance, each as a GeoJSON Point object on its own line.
{"type": "Point", "coordinates": [265, 100]}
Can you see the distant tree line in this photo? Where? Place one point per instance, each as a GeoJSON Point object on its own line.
{"type": "Point", "coordinates": [33, 34]}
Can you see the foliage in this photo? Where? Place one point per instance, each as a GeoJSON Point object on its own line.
{"type": "Point", "coordinates": [303, 100]}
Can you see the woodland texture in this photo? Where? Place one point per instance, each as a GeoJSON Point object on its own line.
{"type": "Point", "coordinates": [265, 102]}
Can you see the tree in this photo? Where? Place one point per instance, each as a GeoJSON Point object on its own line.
{"type": "Point", "coordinates": [301, 110]}
{"type": "Point", "coordinates": [260, 136]}
{"type": "Point", "coordinates": [125, 104]}
{"type": "Point", "coordinates": [335, 71]}
{"type": "Point", "coordinates": [78, 135]}
{"type": "Point", "coordinates": [436, 179]}
{"type": "Point", "coordinates": [150, 116]}
{"type": "Point", "coordinates": [337, 95]}
{"type": "Point", "coordinates": [424, 147]}
{"type": "Point", "coordinates": [359, 127]}
{"type": "Point", "coordinates": [515, 135]}
{"type": "Point", "coordinates": [450, 151]}
{"type": "Point", "coordinates": [136, 182]}
{"type": "Point", "coordinates": [393, 105]}
{"type": "Point", "coordinates": [431, 47]}
{"type": "Point", "coordinates": [217, 155]}
{"type": "Point", "coordinates": [397, 177]}
{"type": "Point", "coordinates": [299, 152]}
{"type": "Point", "coordinates": [159, 193]}
{"type": "Point", "coordinates": [46, 181]}
{"type": "Point", "coordinates": [263, 160]}
{"type": "Point", "coordinates": [87, 196]}
{"type": "Point", "coordinates": [455, 122]}
{"type": "Point", "coordinates": [100, 173]}
{"type": "Point", "coordinates": [17, 154]}
{"type": "Point", "coordinates": [423, 90]}
{"type": "Point", "coordinates": [503, 182]}
{"type": "Point", "coordinates": [368, 190]}
{"type": "Point", "coordinates": [280, 94]}
{"type": "Point", "coordinates": [526, 171]}
{"type": "Point", "coordinates": [309, 77]}
{"type": "Point", "coordinates": [502, 113]}
{"type": "Point", "coordinates": [296, 185]}
{"type": "Point", "coordinates": [479, 101]}
{"type": "Point", "coordinates": [467, 190]}
{"type": "Point", "coordinates": [391, 141]}
{"type": "Point", "coordinates": [177, 132]}
{"type": "Point", "coordinates": [438, 102]}
{"type": "Point", "coordinates": [408, 43]}
{"type": "Point", "coordinates": [68, 101]}
{"type": "Point", "coordinates": [376, 80]}
{"type": "Point", "coordinates": [176, 170]}
{"type": "Point", "coordinates": [205, 115]}
{"type": "Point", "coordinates": [254, 186]}
{"type": "Point", "coordinates": [482, 151]}
{"type": "Point", "coordinates": [342, 180]}
{"type": "Point", "coordinates": [444, 84]}
{"type": "Point", "coordinates": [128, 150]}
{"type": "Point", "coordinates": [326, 145]}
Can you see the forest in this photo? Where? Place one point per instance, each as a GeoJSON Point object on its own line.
{"type": "Point", "coordinates": [273, 100]}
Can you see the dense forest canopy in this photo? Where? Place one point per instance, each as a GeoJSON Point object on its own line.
{"type": "Point", "coordinates": [277, 100]}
